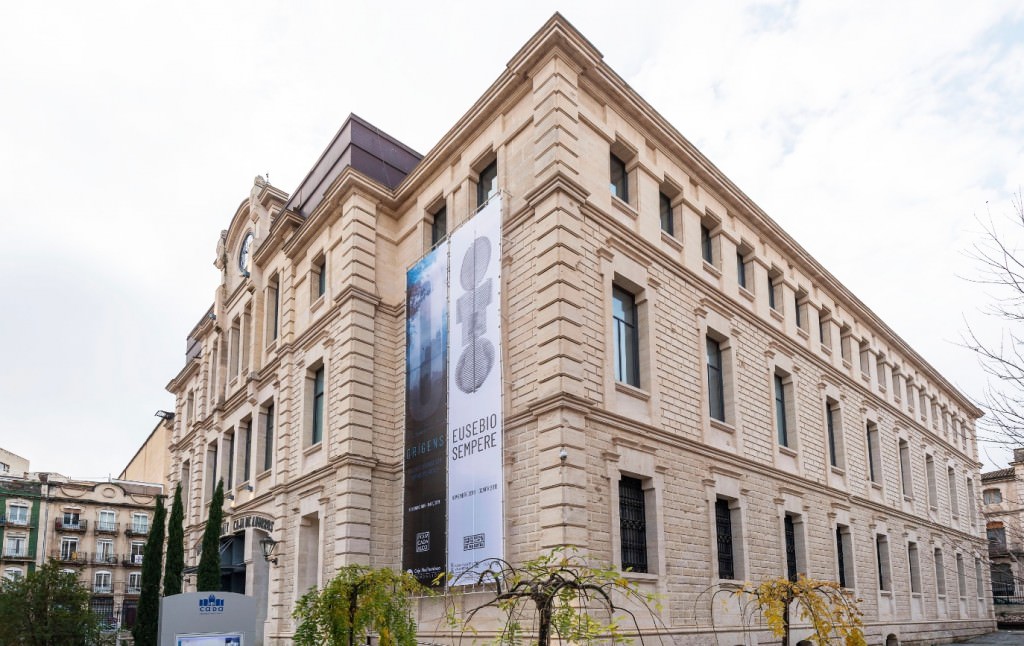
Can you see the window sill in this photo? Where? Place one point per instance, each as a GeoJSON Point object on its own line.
{"type": "Point", "coordinates": [722, 426]}
{"type": "Point", "coordinates": [915, 595]}
{"type": "Point", "coordinates": [640, 576]}
{"type": "Point", "coordinates": [876, 486]}
{"type": "Point", "coordinates": [907, 498]}
{"type": "Point", "coordinates": [785, 450]}
{"type": "Point", "coordinates": [826, 350]}
{"type": "Point", "coordinates": [263, 475]}
{"type": "Point", "coordinates": [865, 377]}
{"type": "Point", "coordinates": [776, 314]}
{"type": "Point", "coordinates": [711, 269]}
{"type": "Point", "coordinates": [318, 303]}
{"type": "Point", "coordinates": [625, 207]}
{"type": "Point", "coordinates": [804, 334]}
{"type": "Point", "coordinates": [885, 593]}
{"type": "Point", "coordinates": [846, 363]}
{"type": "Point", "coordinates": [839, 471]}
{"type": "Point", "coordinates": [313, 448]}
{"type": "Point", "coordinates": [632, 391]}
{"type": "Point", "coordinates": [746, 293]}
{"type": "Point", "coordinates": [272, 346]}
{"type": "Point", "coordinates": [671, 240]}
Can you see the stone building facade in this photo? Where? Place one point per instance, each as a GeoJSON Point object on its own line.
{"type": "Point", "coordinates": [726, 409]}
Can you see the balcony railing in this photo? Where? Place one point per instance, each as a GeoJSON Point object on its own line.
{"type": "Point", "coordinates": [105, 527]}
{"type": "Point", "coordinates": [134, 560]}
{"type": "Point", "coordinates": [70, 526]}
{"type": "Point", "coordinates": [7, 521]}
{"type": "Point", "coordinates": [102, 588]}
{"type": "Point", "coordinates": [70, 557]}
{"type": "Point", "coordinates": [104, 558]}
{"type": "Point", "coordinates": [15, 555]}
{"type": "Point", "coordinates": [136, 530]}
{"type": "Point", "coordinates": [132, 589]}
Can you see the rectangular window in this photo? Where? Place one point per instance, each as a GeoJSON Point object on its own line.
{"type": "Point", "coordinates": [317, 428]}
{"type": "Point", "coordinates": [874, 457]}
{"type": "Point", "coordinates": [781, 418]}
{"type": "Point", "coordinates": [233, 349]}
{"type": "Point", "coordinates": [68, 548]}
{"type": "Point", "coordinates": [905, 474]}
{"type": "Point", "coordinates": [632, 524]}
{"type": "Point", "coordinates": [741, 270]}
{"type": "Point", "coordinates": [773, 285]}
{"type": "Point", "coordinates": [107, 522]}
{"type": "Point", "coordinates": [105, 551]}
{"type": "Point", "coordinates": [707, 251]}
{"type": "Point", "coordinates": [71, 520]}
{"type": "Point", "coordinates": [846, 344]}
{"type": "Point", "coordinates": [832, 417]}
{"type": "Point", "coordinates": [626, 337]}
{"type": "Point", "coordinates": [134, 585]}
{"type": "Point", "coordinates": [268, 438]}
{"type": "Point", "coordinates": [102, 583]}
{"type": "Point", "coordinates": [933, 492]}
{"type": "Point", "coordinates": [844, 556]}
{"type": "Point", "coordinates": [439, 227]}
{"type": "Point", "coordinates": [17, 515]}
{"type": "Point", "coordinates": [940, 573]}
{"type": "Point", "coordinates": [135, 555]}
{"type": "Point", "coordinates": [723, 530]}
{"type": "Point", "coordinates": [824, 328]}
{"type": "Point", "coordinates": [972, 502]}
{"type": "Point", "coordinates": [865, 358]}
{"type": "Point", "coordinates": [798, 313]}
{"type": "Point", "coordinates": [979, 578]}
{"type": "Point", "coordinates": [716, 383]}
{"type": "Point", "coordinates": [319, 272]}
{"type": "Point", "coordinates": [229, 471]}
{"type": "Point", "coordinates": [665, 207]}
{"type": "Point", "coordinates": [954, 499]}
{"type": "Point", "coordinates": [789, 531]}
{"type": "Point", "coordinates": [619, 184]}
{"type": "Point", "coordinates": [961, 576]}
{"type": "Point", "coordinates": [247, 453]}
{"type": "Point", "coordinates": [16, 546]}
{"type": "Point", "coordinates": [882, 556]}
{"type": "Point", "coordinates": [273, 306]}
{"type": "Point", "coordinates": [487, 185]}
{"type": "Point", "coordinates": [140, 524]}
{"type": "Point", "coordinates": [915, 567]}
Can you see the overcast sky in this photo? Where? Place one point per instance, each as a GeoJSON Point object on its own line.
{"type": "Point", "coordinates": [873, 132]}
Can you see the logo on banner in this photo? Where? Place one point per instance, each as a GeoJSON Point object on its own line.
{"type": "Point", "coordinates": [478, 353]}
{"type": "Point", "coordinates": [423, 542]}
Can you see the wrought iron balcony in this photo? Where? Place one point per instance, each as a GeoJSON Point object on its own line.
{"type": "Point", "coordinates": [102, 588]}
{"type": "Point", "coordinates": [104, 527]}
{"type": "Point", "coordinates": [15, 555]}
{"type": "Point", "coordinates": [70, 557]}
{"type": "Point", "coordinates": [136, 530]}
{"type": "Point", "coordinates": [104, 558]}
{"type": "Point", "coordinates": [7, 521]}
{"type": "Point", "coordinates": [70, 526]}
{"type": "Point", "coordinates": [132, 589]}
{"type": "Point", "coordinates": [134, 560]}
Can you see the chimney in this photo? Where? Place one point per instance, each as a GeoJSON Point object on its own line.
{"type": "Point", "coordinates": [1018, 455]}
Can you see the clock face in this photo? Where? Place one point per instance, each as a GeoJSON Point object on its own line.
{"type": "Point", "coordinates": [244, 253]}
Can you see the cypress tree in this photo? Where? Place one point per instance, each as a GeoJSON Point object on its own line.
{"type": "Point", "coordinates": [175, 546]}
{"type": "Point", "coordinates": [145, 630]}
{"type": "Point", "coordinates": [208, 578]}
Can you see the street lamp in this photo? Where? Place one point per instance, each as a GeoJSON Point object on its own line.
{"type": "Point", "coordinates": [268, 545]}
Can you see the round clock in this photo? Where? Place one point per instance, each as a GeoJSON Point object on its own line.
{"type": "Point", "coordinates": [244, 257]}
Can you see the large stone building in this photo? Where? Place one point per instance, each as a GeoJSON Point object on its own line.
{"type": "Point", "coordinates": [685, 391]}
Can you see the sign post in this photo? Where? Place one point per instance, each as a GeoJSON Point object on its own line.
{"type": "Point", "coordinates": [207, 619]}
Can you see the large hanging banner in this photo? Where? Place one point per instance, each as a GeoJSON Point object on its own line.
{"type": "Point", "coordinates": [426, 385]}
{"type": "Point", "coordinates": [475, 492]}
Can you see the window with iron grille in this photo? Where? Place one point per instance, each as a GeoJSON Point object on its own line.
{"type": "Point", "coordinates": [790, 532]}
{"type": "Point", "coordinates": [723, 529]}
{"type": "Point", "coordinates": [632, 524]}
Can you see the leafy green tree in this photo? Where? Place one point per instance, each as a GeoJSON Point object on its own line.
{"type": "Point", "coordinates": [356, 601]}
{"type": "Point", "coordinates": [145, 630]}
{"type": "Point", "coordinates": [175, 564]}
{"type": "Point", "coordinates": [48, 607]}
{"type": "Point", "coordinates": [208, 576]}
{"type": "Point", "coordinates": [557, 594]}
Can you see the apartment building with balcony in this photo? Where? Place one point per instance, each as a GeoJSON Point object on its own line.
{"type": "Point", "coordinates": [20, 513]}
{"type": "Point", "coordinates": [685, 392]}
{"type": "Point", "coordinates": [1004, 524]}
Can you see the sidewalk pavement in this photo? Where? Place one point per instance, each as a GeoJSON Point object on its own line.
{"type": "Point", "coordinates": [998, 638]}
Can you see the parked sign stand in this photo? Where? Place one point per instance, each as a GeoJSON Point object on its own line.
{"type": "Point", "coordinates": [207, 619]}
